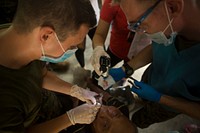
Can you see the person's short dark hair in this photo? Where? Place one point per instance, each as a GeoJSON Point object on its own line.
{"type": "Point", "coordinates": [64, 16]}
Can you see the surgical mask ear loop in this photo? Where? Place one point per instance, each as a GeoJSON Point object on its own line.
{"type": "Point", "coordinates": [42, 49]}
{"type": "Point", "coordinates": [59, 42]}
{"type": "Point", "coordinates": [170, 21]}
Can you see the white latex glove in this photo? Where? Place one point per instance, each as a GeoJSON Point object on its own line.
{"type": "Point", "coordinates": [83, 94]}
{"type": "Point", "coordinates": [83, 114]}
{"type": "Point", "coordinates": [97, 53]}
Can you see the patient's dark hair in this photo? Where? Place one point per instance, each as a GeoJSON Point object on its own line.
{"type": "Point", "coordinates": [64, 16]}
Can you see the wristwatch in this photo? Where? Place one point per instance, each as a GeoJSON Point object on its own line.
{"type": "Point", "coordinates": [128, 70]}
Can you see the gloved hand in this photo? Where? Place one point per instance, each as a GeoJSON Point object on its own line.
{"type": "Point", "coordinates": [83, 94]}
{"type": "Point", "coordinates": [130, 82]}
{"type": "Point", "coordinates": [95, 59]}
{"type": "Point", "coordinates": [117, 73]}
{"type": "Point", "coordinates": [123, 72]}
{"type": "Point", "coordinates": [146, 91]}
{"type": "Point", "coordinates": [83, 114]}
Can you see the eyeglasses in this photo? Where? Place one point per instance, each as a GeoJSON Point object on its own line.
{"type": "Point", "coordinates": [135, 27]}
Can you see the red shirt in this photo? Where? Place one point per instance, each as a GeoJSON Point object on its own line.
{"type": "Point", "coordinates": [119, 33]}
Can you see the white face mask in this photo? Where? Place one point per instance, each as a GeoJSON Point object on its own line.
{"type": "Point", "coordinates": [160, 37]}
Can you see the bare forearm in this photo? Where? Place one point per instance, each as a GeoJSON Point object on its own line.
{"type": "Point", "coordinates": [52, 126]}
{"type": "Point", "coordinates": [101, 33]}
{"type": "Point", "coordinates": [97, 41]}
{"type": "Point", "coordinates": [54, 83]}
{"type": "Point", "coordinates": [141, 59]}
{"type": "Point", "coordinates": [187, 107]}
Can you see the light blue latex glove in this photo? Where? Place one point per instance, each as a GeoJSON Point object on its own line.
{"type": "Point", "coordinates": [146, 91]}
{"type": "Point", "coordinates": [117, 73]}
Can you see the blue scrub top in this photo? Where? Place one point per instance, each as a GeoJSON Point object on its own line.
{"type": "Point", "coordinates": [176, 73]}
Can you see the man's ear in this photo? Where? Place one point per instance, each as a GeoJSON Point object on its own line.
{"type": "Point", "coordinates": [45, 34]}
{"type": "Point", "coordinates": [175, 7]}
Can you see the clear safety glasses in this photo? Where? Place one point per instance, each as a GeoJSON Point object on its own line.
{"type": "Point", "coordinates": [135, 27]}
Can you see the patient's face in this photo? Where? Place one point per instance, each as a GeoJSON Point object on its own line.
{"type": "Point", "coordinates": [111, 120]}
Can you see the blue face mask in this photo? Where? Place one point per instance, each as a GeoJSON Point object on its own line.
{"type": "Point", "coordinates": [62, 58]}
{"type": "Point", "coordinates": [160, 37]}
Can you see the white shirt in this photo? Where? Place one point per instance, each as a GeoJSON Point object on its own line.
{"type": "Point", "coordinates": [95, 6]}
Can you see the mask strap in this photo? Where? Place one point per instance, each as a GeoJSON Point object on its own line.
{"type": "Point", "coordinates": [42, 50]}
{"type": "Point", "coordinates": [170, 21]}
{"type": "Point", "coordinates": [59, 42]}
{"type": "Point", "coordinates": [169, 25]}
